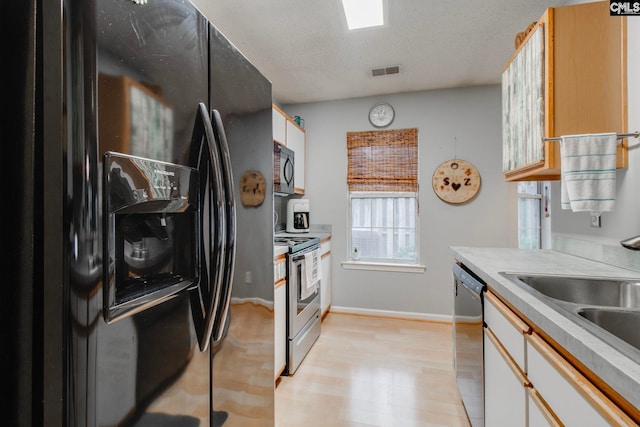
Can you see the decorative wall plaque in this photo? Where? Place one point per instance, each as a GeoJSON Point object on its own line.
{"type": "Point", "coordinates": [252, 188]}
{"type": "Point", "coordinates": [456, 181]}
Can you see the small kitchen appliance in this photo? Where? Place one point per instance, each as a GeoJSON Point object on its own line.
{"type": "Point", "coordinates": [298, 216]}
{"type": "Point", "coordinates": [283, 170]}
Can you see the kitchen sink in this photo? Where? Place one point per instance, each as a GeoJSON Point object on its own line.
{"type": "Point", "coordinates": [585, 290]}
{"type": "Point", "coordinates": [609, 308]}
{"type": "Point", "coordinates": [621, 323]}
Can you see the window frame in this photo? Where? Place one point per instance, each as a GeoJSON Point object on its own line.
{"type": "Point", "coordinates": [386, 195]}
{"type": "Point", "coordinates": [537, 196]}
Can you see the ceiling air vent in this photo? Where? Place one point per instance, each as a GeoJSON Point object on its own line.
{"type": "Point", "coordinates": [385, 71]}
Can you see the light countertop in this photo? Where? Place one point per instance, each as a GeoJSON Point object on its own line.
{"type": "Point", "coordinates": [618, 370]}
{"type": "Point", "coordinates": [323, 232]}
{"type": "Point", "coordinates": [279, 250]}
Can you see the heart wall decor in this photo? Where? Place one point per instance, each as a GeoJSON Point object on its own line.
{"type": "Point", "coordinates": [456, 181]}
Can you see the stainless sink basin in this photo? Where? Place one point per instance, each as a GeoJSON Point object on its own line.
{"type": "Point", "coordinates": [621, 323]}
{"type": "Point", "coordinates": [608, 308]}
{"type": "Point", "coordinates": [586, 290]}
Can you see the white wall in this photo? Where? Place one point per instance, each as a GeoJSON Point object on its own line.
{"type": "Point", "coordinates": [624, 220]}
{"type": "Point", "coordinates": [463, 123]}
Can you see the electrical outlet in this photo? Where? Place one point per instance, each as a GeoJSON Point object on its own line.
{"type": "Point", "coordinates": [247, 277]}
{"type": "Point", "coordinates": [595, 221]}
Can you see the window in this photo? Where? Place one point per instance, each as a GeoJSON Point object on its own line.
{"type": "Point", "coordinates": [529, 215]}
{"type": "Point", "coordinates": [383, 189]}
{"type": "Point", "coordinates": [383, 226]}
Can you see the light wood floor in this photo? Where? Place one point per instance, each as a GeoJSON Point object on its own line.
{"type": "Point", "coordinates": [370, 371]}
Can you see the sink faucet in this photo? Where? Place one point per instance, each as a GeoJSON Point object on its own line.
{"type": "Point", "coordinates": [631, 243]}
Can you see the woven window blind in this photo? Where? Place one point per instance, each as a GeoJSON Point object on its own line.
{"type": "Point", "coordinates": [383, 160]}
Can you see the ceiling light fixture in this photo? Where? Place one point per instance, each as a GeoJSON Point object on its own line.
{"type": "Point", "coordinates": [363, 13]}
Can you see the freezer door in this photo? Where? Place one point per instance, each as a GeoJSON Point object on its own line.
{"type": "Point", "coordinates": [134, 73]}
{"type": "Point", "coordinates": [152, 61]}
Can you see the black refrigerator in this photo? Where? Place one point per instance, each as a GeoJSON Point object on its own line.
{"type": "Point", "coordinates": [141, 287]}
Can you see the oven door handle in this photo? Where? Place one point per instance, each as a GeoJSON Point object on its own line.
{"type": "Point", "coordinates": [300, 257]}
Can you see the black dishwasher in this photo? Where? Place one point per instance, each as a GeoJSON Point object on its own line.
{"type": "Point", "coordinates": [467, 341]}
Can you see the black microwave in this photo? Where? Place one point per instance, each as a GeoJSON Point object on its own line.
{"type": "Point", "coordinates": [283, 169]}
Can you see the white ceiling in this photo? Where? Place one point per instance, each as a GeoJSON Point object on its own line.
{"type": "Point", "coordinates": [305, 49]}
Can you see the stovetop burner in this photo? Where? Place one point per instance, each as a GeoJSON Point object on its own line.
{"type": "Point", "coordinates": [291, 240]}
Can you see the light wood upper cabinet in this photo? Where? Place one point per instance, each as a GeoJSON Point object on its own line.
{"type": "Point", "coordinates": [568, 77]}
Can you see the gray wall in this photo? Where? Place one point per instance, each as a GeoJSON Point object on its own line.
{"type": "Point", "coordinates": [472, 116]}
{"type": "Point", "coordinates": [624, 220]}
{"type": "Point", "coordinates": [464, 123]}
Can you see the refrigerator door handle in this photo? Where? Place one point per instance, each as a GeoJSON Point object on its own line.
{"type": "Point", "coordinates": [230, 244]}
{"type": "Point", "coordinates": [206, 158]}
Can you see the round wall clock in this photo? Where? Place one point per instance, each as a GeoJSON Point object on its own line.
{"type": "Point", "coordinates": [381, 115]}
{"type": "Point", "coordinates": [456, 181]}
{"type": "Point", "coordinates": [252, 188]}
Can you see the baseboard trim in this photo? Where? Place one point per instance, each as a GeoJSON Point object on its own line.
{"type": "Point", "coordinates": [440, 318]}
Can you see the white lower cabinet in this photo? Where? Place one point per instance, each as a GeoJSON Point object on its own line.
{"type": "Point", "coordinates": [571, 397]}
{"type": "Point", "coordinates": [528, 383]}
{"type": "Point", "coordinates": [325, 282]}
{"type": "Point", "coordinates": [505, 381]}
{"type": "Point", "coordinates": [539, 412]}
{"type": "Point", "coordinates": [505, 395]}
{"type": "Point", "coordinates": [280, 315]}
{"type": "Point", "coordinates": [280, 341]}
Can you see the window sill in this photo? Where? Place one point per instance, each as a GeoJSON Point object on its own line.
{"type": "Point", "coordinates": [379, 266]}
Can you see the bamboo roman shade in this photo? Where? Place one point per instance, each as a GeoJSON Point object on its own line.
{"type": "Point", "coordinates": [383, 160]}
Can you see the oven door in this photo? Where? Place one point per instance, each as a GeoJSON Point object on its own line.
{"type": "Point", "coordinates": [301, 307]}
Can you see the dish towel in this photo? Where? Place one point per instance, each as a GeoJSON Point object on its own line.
{"type": "Point", "coordinates": [311, 278]}
{"type": "Point", "coordinates": [588, 172]}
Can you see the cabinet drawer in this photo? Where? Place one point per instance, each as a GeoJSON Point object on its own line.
{"type": "Point", "coordinates": [279, 269]}
{"type": "Point", "coordinates": [504, 386]}
{"type": "Point", "coordinates": [572, 397]}
{"type": "Point", "coordinates": [325, 247]}
{"type": "Point", "coordinates": [507, 327]}
{"type": "Point", "coordinates": [539, 413]}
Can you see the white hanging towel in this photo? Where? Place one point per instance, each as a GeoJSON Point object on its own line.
{"type": "Point", "coordinates": [311, 278]}
{"type": "Point", "coordinates": [588, 172]}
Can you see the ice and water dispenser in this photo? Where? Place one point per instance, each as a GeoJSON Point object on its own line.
{"type": "Point", "coordinates": [151, 232]}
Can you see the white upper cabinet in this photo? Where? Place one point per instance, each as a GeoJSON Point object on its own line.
{"type": "Point", "coordinates": [296, 140]}
{"type": "Point", "coordinates": [279, 126]}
